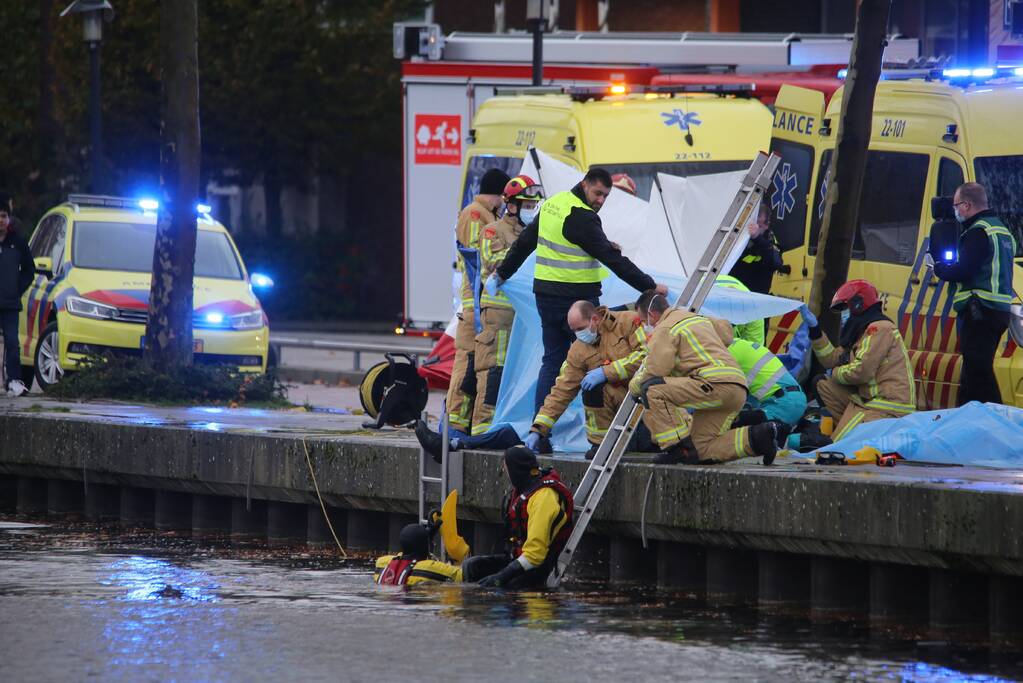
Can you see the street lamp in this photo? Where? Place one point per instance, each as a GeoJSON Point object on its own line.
{"type": "Point", "coordinates": [94, 13]}
{"type": "Point", "coordinates": [536, 22]}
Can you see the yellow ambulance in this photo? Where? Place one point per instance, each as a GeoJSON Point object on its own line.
{"type": "Point", "coordinates": [931, 132]}
{"type": "Point", "coordinates": [678, 130]}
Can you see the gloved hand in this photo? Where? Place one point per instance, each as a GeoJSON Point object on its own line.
{"type": "Point", "coordinates": [808, 317]}
{"type": "Point", "coordinates": [645, 387]}
{"type": "Point", "coordinates": [493, 284]}
{"type": "Point", "coordinates": [532, 441]}
{"type": "Point", "coordinates": [928, 261]}
{"type": "Point", "coordinates": [593, 379]}
{"type": "Point", "coordinates": [502, 578]}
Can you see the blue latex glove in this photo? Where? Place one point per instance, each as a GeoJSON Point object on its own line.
{"type": "Point", "coordinates": [493, 284]}
{"type": "Point", "coordinates": [593, 379]}
{"type": "Point", "coordinates": [808, 317]}
{"type": "Point", "coordinates": [533, 441]}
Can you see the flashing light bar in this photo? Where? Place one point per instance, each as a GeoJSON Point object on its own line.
{"type": "Point", "coordinates": [149, 204]}
{"type": "Point", "coordinates": [203, 208]}
{"type": "Point", "coordinates": [261, 281]}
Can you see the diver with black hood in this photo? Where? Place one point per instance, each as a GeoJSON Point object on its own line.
{"type": "Point", "coordinates": [538, 520]}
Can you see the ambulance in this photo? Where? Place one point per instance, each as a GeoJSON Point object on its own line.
{"type": "Point", "coordinates": [932, 131]}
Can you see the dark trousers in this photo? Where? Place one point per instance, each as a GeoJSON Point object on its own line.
{"type": "Point", "coordinates": [557, 336]}
{"type": "Point", "coordinates": [980, 329]}
{"type": "Point", "coordinates": [495, 440]}
{"type": "Point", "coordinates": [9, 328]}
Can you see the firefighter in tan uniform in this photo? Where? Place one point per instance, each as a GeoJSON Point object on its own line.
{"type": "Point", "coordinates": [693, 388]}
{"type": "Point", "coordinates": [471, 221]}
{"type": "Point", "coordinates": [871, 375]}
{"type": "Point", "coordinates": [522, 202]}
{"type": "Point", "coordinates": [609, 348]}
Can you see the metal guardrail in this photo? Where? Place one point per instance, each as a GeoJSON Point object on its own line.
{"type": "Point", "coordinates": [357, 348]}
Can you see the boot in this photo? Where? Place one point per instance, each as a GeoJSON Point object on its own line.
{"type": "Point", "coordinates": [592, 453]}
{"type": "Point", "coordinates": [783, 433]}
{"type": "Point", "coordinates": [682, 453]}
{"type": "Point", "coordinates": [429, 440]}
{"type": "Point", "coordinates": [764, 440]}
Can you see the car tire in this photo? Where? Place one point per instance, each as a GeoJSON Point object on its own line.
{"type": "Point", "coordinates": [47, 369]}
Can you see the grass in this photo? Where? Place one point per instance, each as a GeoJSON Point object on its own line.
{"type": "Point", "coordinates": [127, 378]}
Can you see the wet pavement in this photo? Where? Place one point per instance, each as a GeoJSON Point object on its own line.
{"type": "Point", "coordinates": [81, 602]}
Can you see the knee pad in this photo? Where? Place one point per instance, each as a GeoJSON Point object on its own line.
{"type": "Point", "coordinates": [594, 398]}
{"type": "Point", "coordinates": [468, 386]}
{"type": "Point", "coordinates": [493, 385]}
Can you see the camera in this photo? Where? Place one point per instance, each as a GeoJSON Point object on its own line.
{"type": "Point", "coordinates": [944, 242]}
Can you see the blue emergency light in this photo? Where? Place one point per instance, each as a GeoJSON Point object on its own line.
{"type": "Point", "coordinates": [949, 256]}
{"type": "Point", "coordinates": [261, 281]}
{"type": "Point", "coordinates": [147, 204]}
{"type": "Point", "coordinates": [214, 318]}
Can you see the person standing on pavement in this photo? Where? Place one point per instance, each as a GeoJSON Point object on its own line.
{"type": "Point", "coordinates": [762, 258]}
{"type": "Point", "coordinates": [479, 213]}
{"type": "Point", "coordinates": [16, 272]}
{"type": "Point", "coordinates": [570, 247]}
{"type": "Point", "coordinates": [982, 274]}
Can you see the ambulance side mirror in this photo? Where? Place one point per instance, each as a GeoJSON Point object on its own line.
{"type": "Point", "coordinates": [44, 266]}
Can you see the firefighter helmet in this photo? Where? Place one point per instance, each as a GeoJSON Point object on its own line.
{"type": "Point", "coordinates": [858, 295]}
{"type": "Point", "coordinates": [522, 187]}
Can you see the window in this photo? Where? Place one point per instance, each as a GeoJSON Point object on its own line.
{"type": "Point", "coordinates": [950, 176]}
{"type": "Point", "coordinates": [41, 243]}
{"type": "Point", "coordinates": [787, 193]}
{"type": "Point", "coordinates": [889, 215]}
{"type": "Point", "coordinates": [480, 164]}
{"type": "Point", "coordinates": [59, 234]}
{"type": "Point", "coordinates": [1002, 177]}
{"type": "Point", "coordinates": [129, 247]}
{"type": "Point", "coordinates": [643, 174]}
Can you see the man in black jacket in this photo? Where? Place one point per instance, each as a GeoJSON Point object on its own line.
{"type": "Point", "coordinates": [16, 272]}
{"type": "Point", "coordinates": [761, 259]}
{"type": "Point", "coordinates": [571, 250]}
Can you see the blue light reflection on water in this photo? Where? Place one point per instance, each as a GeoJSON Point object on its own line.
{"type": "Point", "coordinates": [166, 608]}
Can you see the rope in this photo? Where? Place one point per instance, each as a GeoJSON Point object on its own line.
{"type": "Point", "coordinates": [323, 507]}
{"type": "Point", "coordinates": [642, 517]}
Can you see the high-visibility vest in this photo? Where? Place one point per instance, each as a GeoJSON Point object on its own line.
{"type": "Point", "coordinates": [557, 259]}
{"type": "Point", "coordinates": [752, 331]}
{"type": "Point", "coordinates": [762, 368]}
{"type": "Point", "coordinates": [993, 282]}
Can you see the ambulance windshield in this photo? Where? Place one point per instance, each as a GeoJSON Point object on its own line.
{"type": "Point", "coordinates": [643, 174]}
{"type": "Point", "coordinates": [1002, 177]}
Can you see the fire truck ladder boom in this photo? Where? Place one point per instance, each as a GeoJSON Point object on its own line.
{"type": "Point", "coordinates": [694, 293]}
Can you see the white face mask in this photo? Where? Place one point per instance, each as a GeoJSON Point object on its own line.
{"type": "Point", "coordinates": [959, 216]}
{"type": "Point", "coordinates": [845, 316]}
{"type": "Point", "coordinates": [586, 336]}
{"type": "Point", "coordinates": [527, 216]}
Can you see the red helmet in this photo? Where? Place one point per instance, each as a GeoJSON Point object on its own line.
{"type": "Point", "coordinates": [522, 187]}
{"type": "Point", "coordinates": [623, 182]}
{"type": "Point", "coordinates": [858, 295]}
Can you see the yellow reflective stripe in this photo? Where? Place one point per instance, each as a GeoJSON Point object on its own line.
{"type": "Point", "coordinates": [478, 429]}
{"type": "Point", "coordinates": [592, 264]}
{"type": "Point", "coordinates": [841, 371]}
{"type": "Point", "coordinates": [591, 423]}
{"type": "Point", "coordinates": [562, 248]}
{"type": "Point", "coordinates": [909, 370]}
{"type": "Point", "coordinates": [682, 329]}
{"type": "Point", "coordinates": [702, 405]}
{"type": "Point", "coordinates": [730, 282]}
{"type": "Point", "coordinates": [619, 365]}
{"type": "Point", "coordinates": [502, 346]}
{"type": "Point", "coordinates": [543, 420]}
{"type": "Point", "coordinates": [500, 301]}
{"type": "Point", "coordinates": [892, 406]}
{"type": "Point", "coordinates": [676, 434]}
{"type": "Point", "coordinates": [858, 418]}
{"type": "Point", "coordinates": [721, 371]}
{"type": "Point", "coordinates": [740, 450]}
{"type": "Point", "coordinates": [983, 294]}
{"type": "Point", "coordinates": [825, 350]}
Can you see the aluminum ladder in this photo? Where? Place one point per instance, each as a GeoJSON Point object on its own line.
{"type": "Point", "coordinates": [609, 454]}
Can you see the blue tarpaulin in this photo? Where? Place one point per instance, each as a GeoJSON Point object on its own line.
{"type": "Point", "coordinates": [525, 349]}
{"type": "Point", "coordinates": [983, 434]}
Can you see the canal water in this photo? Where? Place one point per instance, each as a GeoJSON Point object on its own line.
{"type": "Point", "coordinates": [80, 602]}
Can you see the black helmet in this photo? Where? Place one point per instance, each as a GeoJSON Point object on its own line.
{"type": "Point", "coordinates": [414, 540]}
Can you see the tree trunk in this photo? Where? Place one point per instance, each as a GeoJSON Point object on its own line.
{"type": "Point", "coordinates": [848, 163]}
{"type": "Point", "coordinates": [169, 333]}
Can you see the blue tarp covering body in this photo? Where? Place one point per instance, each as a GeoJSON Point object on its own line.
{"type": "Point", "coordinates": [984, 434]}
{"type": "Point", "coordinates": [525, 349]}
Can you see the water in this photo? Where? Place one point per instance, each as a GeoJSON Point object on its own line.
{"type": "Point", "coordinates": [79, 602]}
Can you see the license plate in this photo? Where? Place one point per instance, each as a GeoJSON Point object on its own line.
{"type": "Point", "coordinates": [197, 344]}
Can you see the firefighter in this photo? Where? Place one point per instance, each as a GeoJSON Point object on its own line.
{"type": "Point", "coordinates": [752, 331]}
{"type": "Point", "coordinates": [688, 368]}
{"type": "Point", "coordinates": [762, 258]}
{"type": "Point", "coordinates": [609, 348]}
{"type": "Point", "coordinates": [471, 221]}
{"type": "Point", "coordinates": [413, 565]}
{"type": "Point", "coordinates": [570, 247]}
{"type": "Point", "coordinates": [522, 198]}
{"type": "Point", "coordinates": [982, 271]}
{"type": "Point", "coordinates": [538, 521]}
{"type": "Point", "coordinates": [871, 376]}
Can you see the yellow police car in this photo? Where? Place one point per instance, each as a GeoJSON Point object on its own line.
{"type": "Point", "coordinates": [94, 257]}
{"type": "Point", "coordinates": [932, 131]}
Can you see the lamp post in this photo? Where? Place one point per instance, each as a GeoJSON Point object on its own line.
{"type": "Point", "coordinates": [94, 13]}
{"type": "Point", "coordinates": [536, 22]}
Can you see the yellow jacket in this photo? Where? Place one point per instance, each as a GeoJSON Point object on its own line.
{"type": "Point", "coordinates": [424, 571]}
{"type": "Point", "coordinates": [542, 526]}
{"type": "Point", "coordinates": [467, 231]}
{"type": "Point", "coordinates": [878, 368]}
{"type": "Point", "coordinates": [686, 344]}
{"type": "Point", "coordinates": [620, 349]}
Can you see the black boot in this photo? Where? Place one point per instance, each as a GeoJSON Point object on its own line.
{"type": "Point", "coordinates": [590, 454]}
{"type": "Point", "coordinates": [764, 440]}
{"type": "Point", "coordinates": [682, 453]}
{"type": "Point", "coordinates": [430, 440]}
{"type": "Point", "coordinates": [783, 431]}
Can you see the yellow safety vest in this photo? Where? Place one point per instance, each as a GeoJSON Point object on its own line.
{"type": "Point", "coordinates": [763, 369]}
{"type": "Point", "coordinates": [557, 259]}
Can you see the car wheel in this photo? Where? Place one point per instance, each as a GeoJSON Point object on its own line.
{"type": "Point", "coordinates": [48, 370]}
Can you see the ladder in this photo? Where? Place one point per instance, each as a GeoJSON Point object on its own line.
{"type": "Point", "coordinates": [449, 477]}
{"type": "Point", "coordinates": [694, 293]}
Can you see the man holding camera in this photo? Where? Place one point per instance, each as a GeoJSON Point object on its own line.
{"type": "Point", "coordinates": [981, 269]}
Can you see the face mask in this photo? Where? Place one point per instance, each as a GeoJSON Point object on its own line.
{"type": "Point", "coordinates": [586, 336]}
{"type": "Point", "coordinates": [845, 316]}
{"type": "Point", "coordinates": [959, 216]}
{"type": "Point", "coordinates": [526, 216]}
{"type": "Point", "coordinates": [648, 329]}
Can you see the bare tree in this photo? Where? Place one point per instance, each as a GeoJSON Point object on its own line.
{"type": "Point", "coordinates": [849, 162]}
{"type": "Point", "coordinates": [169, 333]}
